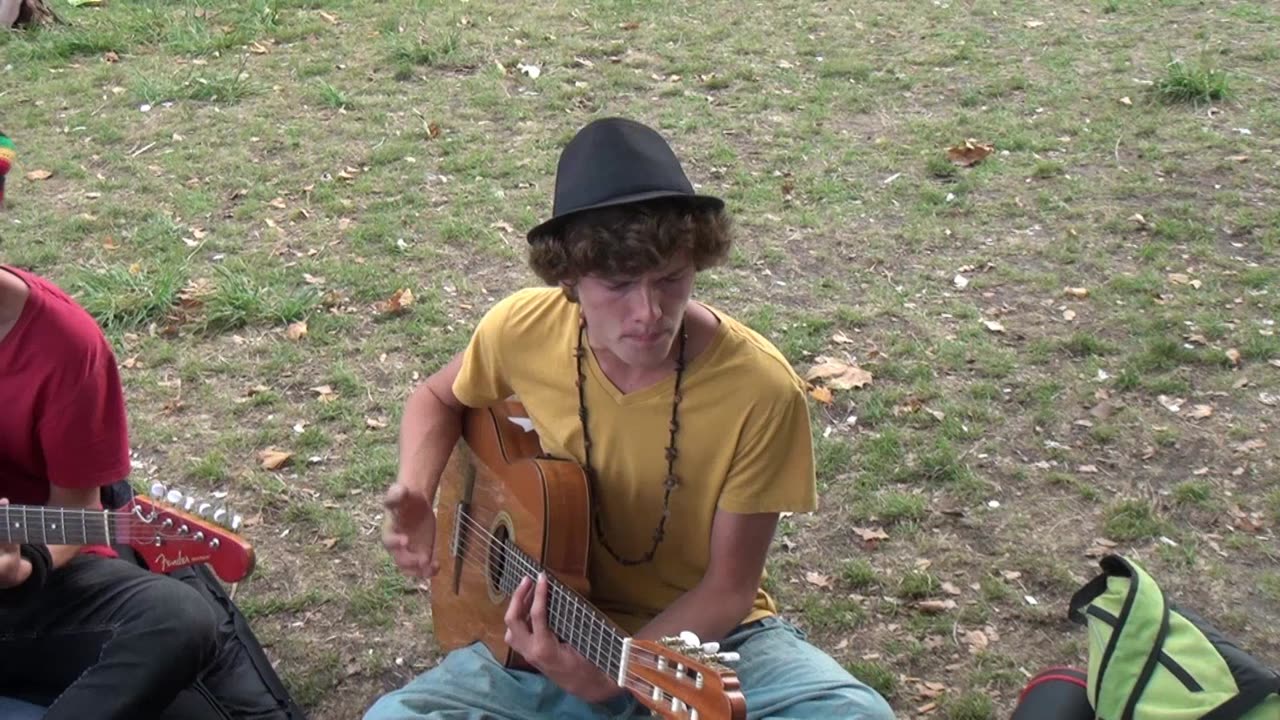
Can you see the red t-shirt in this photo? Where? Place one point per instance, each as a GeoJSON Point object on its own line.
{"type": "Point", "coordinates": [62, 411]}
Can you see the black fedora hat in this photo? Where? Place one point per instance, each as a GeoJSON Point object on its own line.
{"type": "Point", "coordinates": [614, 161]}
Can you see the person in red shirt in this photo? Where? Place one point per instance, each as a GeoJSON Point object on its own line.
{"type": "Point", "coordinates": [83, 633]}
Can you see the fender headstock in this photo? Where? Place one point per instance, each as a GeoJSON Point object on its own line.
{"type": "Point", "coordinates": [174, 531]}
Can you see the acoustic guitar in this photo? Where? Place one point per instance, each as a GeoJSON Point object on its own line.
{"type": "Point", "coordinates": [505, 512]}
{"type": "Point", "coordinates": [167, 537]}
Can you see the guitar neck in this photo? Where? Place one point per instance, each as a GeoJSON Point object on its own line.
{"type": "Point", "coordinates": [59, 526]}
{"type": "Point", "coordinates": [570, 616]}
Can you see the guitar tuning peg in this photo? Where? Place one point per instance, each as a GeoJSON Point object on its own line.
{"type": "Point", "coordinates": [711, 648]}
{"type": "Point", "coordinates": [190, 504]}
{"type": "Point", "coordinates": [728, 657]}
{"type": "Point", "coordinates": [690, 640]}
{"type": "Point", "coordinates": [236, 522]}
{"type": "Point", "coordinates": [173, 497]}
{"type": "Point", "coordinates": [220, 515]}
{"type": "Point", "coordinates": [158, 490]}
{"type": "Point", "coordinates": [204, 510]}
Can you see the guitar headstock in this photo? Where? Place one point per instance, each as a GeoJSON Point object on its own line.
{"type": "Point", "coordinates": [683, 679]}
{"type": "Point", "coordinates": [175, 530]}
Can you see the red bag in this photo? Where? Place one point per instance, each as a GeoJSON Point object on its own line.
{"type": "Point", "coordinates": [1056, 693]}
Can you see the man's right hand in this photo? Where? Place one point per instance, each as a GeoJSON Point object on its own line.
{"type": "Point", "coordinates": [14, 569]}
{"type": "Point", "coordinates": [409, 532]}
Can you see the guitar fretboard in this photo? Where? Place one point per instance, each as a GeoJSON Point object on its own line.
{"type": "Point", "coordinates": [574, 620]}
{"type": "Point", "coordinates": [58, 526]}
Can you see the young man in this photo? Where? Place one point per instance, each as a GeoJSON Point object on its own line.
{"type": "Point", "coordinates": [82, 633]}
{"type": "Point", "coordinates": [693, 428]}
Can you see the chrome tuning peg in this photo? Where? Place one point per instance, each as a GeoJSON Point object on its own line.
{"type": "Point", "coordinates": [158, 490]}
{"type": "Point", "coordinates": [173, 497]}
{"type": "Point", "coordinates": [204, 510]}
{"type": "Point", "coordinates": [236, 522]}
{"type": "Point", "coordinates": [220, 516]}
{"type": "Point", "coordinates": [190, 504]}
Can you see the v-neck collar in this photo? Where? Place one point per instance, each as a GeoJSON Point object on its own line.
{"type": "Point", "coordinates": [663, 387]}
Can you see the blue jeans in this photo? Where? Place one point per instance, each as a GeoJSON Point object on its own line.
{"type": "Point", "coordinates": [782, 676]}
{"type": "Point", "coordinates": [11, 709]}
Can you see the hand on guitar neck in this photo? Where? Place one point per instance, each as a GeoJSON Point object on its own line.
{"type": "Point", "coordinates": [14, 569]}
{"type": "Point", "coordinates": [529, 634]}
{"type": "Point", "coordinates": [409, 531]}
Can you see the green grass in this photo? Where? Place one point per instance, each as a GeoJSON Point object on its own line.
{"type": "Point", "coordinates": [1197, 82]}
{"type": "Point", "coordinates": [196, 224]}
{"type": "Point", "coordinates": [1130, 520]}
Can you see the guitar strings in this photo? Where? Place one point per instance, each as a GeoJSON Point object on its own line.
{"type": "Point", "coordinates": [125, 525]}
{"type": "Point", "coordinates": [530, 570]}
{"type": "Point", "coordinates": [641, 656]}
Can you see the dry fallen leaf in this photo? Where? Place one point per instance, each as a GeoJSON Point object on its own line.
{"type": "Point", "coordinates": [1234, 356]}
{"type": "Point", "coordinates": [993, 326]}
{"type": "Point", "coordinates": [39, 175]}
{"type": "Point", "coordinates": [1173, 405]}
{"type": "Point", "coordinates": [1010, 574]}
{"type": "Point", "coordinates": [960, 281]}
{"type": "Point", "coordinates": [934, 607]}
{"type": "Point", "coordinates": [841, 338]}
{"type": "Point", "coordinates": [871, 535]}
{"type": "Point", "coordinates": [1274, 363]}
{"type": "Point", "coordinates": [839, 375]}
{"type": "Point", "coordinates": [278, 203]}
{"type": "Point", "coordinates": [817, 579]}
{"type": "Point", "coordinates": [1076, 292]}
{"type": "Point", "coordinates": [970, 153]}
{"type": "Point", "coordinates": [1125, 100]}
{"type": "Point", "coordinates": [1087, 469]}
{"type": "Point", "coordinates": [399, 301]}
{"type": "Point", "coordinates": [1269, 399]}
{"type": "Point", "coordinates": [950, 588]}
{"type": "Point", "coordinates": [977, 641]}
{"type": "Point", "coordinates": [822, 395]}
{"type": "Point", "coordinates": [1034, 23]}
{"type": "Point", "coordinates": [375, 423]}
{"type": "Point", "coordinates": [273, 459]}
{"type": "Point", "coordinates": [1249, 446]}
{"type": "Point", "coordinates": [1068, 315]}
{"type": "Point", "coordinates": [324, 392]}
{"type": "Point", "coordinates": [297, 330]}
{"type": "Point", "coordinates": [1200, 412]}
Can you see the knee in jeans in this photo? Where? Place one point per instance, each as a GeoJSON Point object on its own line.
{"type": "Point", "coordinates": [189, 622]}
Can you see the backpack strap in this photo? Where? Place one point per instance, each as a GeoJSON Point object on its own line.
{"type": "Point", "coordinates": [1150, 665]}
{"type": "Point", "coordinates": [1237, 706]}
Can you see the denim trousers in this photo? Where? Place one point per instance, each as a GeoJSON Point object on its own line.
{"type": "Point", "coordinates": [782, 676]}
{"type": "Point", "coordinates": [106, 639]}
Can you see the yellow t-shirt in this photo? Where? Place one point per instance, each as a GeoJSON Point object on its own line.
{"type": "Point", "coordinates": [744, 443]}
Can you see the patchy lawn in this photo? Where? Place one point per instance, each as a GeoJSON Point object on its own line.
{"type": "Point", "coordinates": [1072, 343]}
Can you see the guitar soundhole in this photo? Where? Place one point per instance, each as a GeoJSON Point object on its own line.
{"type": "Point", "coordinates": [498, 560]}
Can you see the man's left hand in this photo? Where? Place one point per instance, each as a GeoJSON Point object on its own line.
{"type": "Point", "coordinates": [528, 634]}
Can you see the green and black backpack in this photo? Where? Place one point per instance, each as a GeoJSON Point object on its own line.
{"type": "Point", "coordinates": [1152, 660]}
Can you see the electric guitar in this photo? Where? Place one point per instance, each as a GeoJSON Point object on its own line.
{"type": "Point", "coordinates": [167, 537]}
{"type": "Point", "coordinates": [505, 512]}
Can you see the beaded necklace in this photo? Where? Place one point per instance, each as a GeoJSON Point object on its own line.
{"type": "Point", "coordinates": [669, 483]}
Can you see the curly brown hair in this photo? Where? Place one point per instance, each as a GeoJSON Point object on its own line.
{"type": "Point", "coordinates": [628, 240]}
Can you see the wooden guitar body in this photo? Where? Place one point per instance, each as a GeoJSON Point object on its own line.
{"type": "Point", "coordinates": [504, 512]}
{"type": "Point", "coordinates": [543, 505]}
